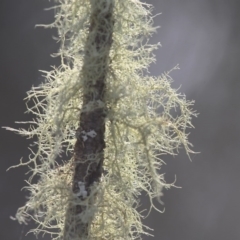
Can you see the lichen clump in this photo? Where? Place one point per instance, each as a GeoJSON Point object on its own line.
{"type": "Point", "coordinates": [145, 119]}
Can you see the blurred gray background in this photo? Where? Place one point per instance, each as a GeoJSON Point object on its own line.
{"type": "Point", "coordinates": [203, 37]}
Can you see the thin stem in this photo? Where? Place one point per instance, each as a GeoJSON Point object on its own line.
{"type": "Point", "coordinates": [90, 144]}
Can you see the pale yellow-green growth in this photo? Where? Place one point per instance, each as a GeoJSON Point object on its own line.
{"type": "Point", "coordinates": [145, 119]}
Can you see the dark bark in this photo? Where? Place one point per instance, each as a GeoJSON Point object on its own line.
{"type": "Point", "coordinates": [89, 150]}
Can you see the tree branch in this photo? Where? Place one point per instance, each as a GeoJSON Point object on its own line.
{"type": "Point", "coordinates": [90, 144]}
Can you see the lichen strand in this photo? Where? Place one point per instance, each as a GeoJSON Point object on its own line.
{"type": "Point", "coordinates": [140, 117]}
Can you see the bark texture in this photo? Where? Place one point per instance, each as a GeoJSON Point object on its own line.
{"type": "Point", "coordinates": [90, 144]}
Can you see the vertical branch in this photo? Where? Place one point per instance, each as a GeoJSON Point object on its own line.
{"type": "Point", "coordinates": [141, 109]}
{"type": "Point", "coordinates": [90, 144]}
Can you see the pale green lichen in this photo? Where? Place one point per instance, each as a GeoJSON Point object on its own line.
{"type": "Point", "coordinates": [146, 119]}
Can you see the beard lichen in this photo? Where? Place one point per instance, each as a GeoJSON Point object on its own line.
{"type": "Point", "coordinates": [145, 119]}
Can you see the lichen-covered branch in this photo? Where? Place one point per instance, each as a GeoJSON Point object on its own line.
{"type": "Point", "coordinates": [102, 125]}
{"type": "Point", "coordinates": [90, 144]}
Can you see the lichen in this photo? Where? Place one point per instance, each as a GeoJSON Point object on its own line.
{"type": "Point", "coordinates": [145, 119]}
